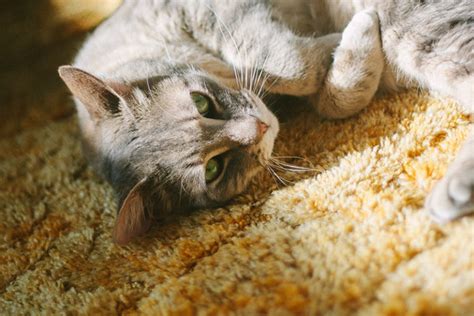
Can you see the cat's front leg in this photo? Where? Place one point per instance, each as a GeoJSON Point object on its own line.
{"type": "Point", "coordinates": [265, 54]}
{"type": "Point", "coordinates": [453, 195]}
{"type": "Point", "coordinates": [355, 73]}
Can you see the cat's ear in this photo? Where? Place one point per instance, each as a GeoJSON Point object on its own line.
{"type": "Point", "coordinates": [101, 99]}
{"type": "Point", "coordinates": [132, 219]}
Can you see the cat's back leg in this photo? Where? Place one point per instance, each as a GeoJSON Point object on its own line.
{"type": "Point", "coordinates": [433, 45]}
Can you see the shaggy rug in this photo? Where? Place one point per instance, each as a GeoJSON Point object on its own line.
{"type": "Point", "coordinates": [348, 237]}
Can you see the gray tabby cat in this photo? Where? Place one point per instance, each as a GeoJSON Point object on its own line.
{"type": "Point", "coordinates": [168, 92]}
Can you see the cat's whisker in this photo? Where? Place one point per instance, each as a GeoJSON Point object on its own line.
{"type": "Point", "coordinates": [271, 168]}
{"type": "Point", "coordinates": [261, 90]}
{"type": "Point", "coordinates": [283, 163]}
{"type": "Point", "coordinates": [291, 168]}
{"type": "Point", "coordinates": [276, 176]}
{"type": "Point", "coordinates": [282, 179]}
{"type": "Point", "coordinates": [252, 75]}
{"type": "Point", "coordinates": [278, 160]}
{"type": "Point", "coordinates": [261, 75]}
{"type": "Point", "coordinates": [255, 75]}
{"type": "Point", "coordinates": [259, 70]}
{"type": "Point", "coordinates": [237, 72]}
{"type": "Point", "coordinates": [246, 86]}
{"type": "Point", "coordinates": [246, 67]}
{"type": "Point", "coordinates": [234, 68]}
{"type": "Point", "coordinates": [251, 65]}
{"type": "Point", "coordinates": [258, 74]}
{"type": "Point", "coordinates": [293, 157]}
{"type": "Point", "coordinates": [271, 174]}
{"type": "Point", "coordinates": [268, 89]}
{"type": "Point", "coordinates": [257, 80]}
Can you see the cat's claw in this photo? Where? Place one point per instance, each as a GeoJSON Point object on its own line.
{"type": "Point", "coordinates": [452, 196]}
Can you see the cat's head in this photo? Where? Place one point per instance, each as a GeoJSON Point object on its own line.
{"type": "Point", "coordinates": [170, 143]}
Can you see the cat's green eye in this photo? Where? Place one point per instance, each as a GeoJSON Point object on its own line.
{"type": "Point", "coordinates": [213, 169]}
{"type": "Point", "coordinates": [201, 102]}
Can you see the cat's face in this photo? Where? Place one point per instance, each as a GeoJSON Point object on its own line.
{"type": "Point", "coordinates": [174, 142]}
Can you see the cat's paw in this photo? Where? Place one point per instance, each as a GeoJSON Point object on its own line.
{"type": "Point", "coordinates": [453, 196]}
{"type": "Point", "coordinates": [364, 24]}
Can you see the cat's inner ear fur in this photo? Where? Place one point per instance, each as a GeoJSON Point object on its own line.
{"type": "Point", "coordinates": [100, 98]}
{"type": "Point", "coordinates": [132, 219]}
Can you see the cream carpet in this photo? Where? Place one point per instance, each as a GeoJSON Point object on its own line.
{"type": "Point", "coordinates": [348, 238]}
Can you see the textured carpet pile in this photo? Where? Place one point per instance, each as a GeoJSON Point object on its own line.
{"type": "Point", "coordinates": [348, 237]}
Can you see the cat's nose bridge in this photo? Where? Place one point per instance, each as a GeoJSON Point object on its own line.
{"type": "Point", "coordinates": [246, 131]}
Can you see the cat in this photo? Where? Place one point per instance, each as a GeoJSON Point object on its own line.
{"type": "Point", "coordinates": [169, 93]}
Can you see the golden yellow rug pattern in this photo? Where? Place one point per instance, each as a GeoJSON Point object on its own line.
{"type": "Point", "coordinates": [349, 237]}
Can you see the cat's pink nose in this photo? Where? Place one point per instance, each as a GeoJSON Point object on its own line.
{"type": "Point", "coordinates": [261, 128]}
